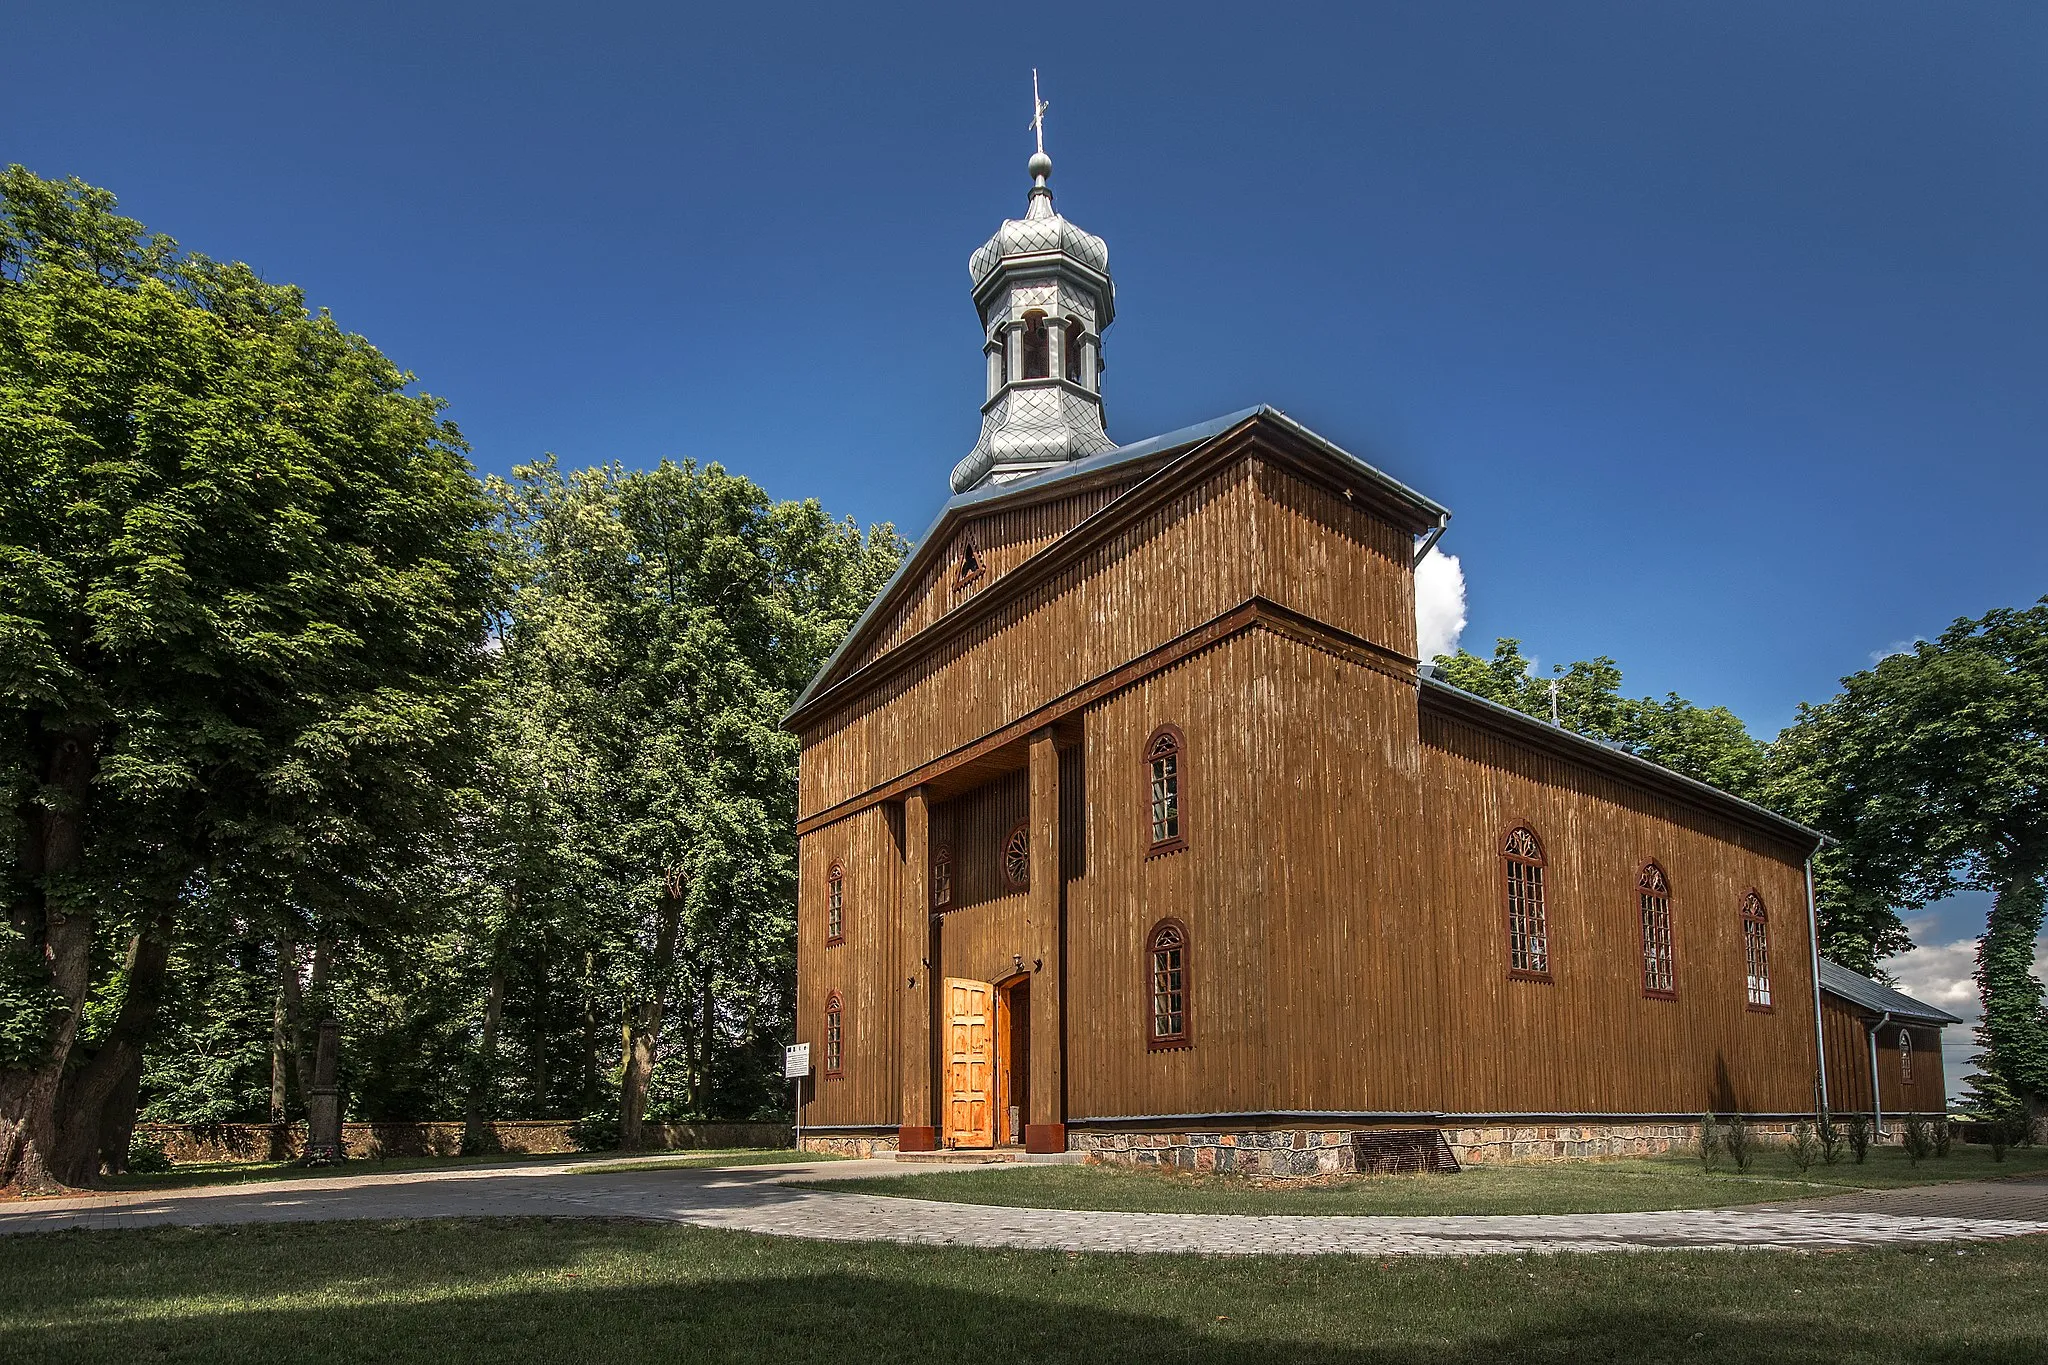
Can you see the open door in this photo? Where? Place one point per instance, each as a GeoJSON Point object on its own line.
{"type": "Point", "coordinates": [970, 1063]}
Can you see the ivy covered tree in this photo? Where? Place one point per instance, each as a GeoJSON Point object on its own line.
{"type": "Point", "coordinates": [243, 580]}
{"type": "Point", "coordinates": [1932, 770]}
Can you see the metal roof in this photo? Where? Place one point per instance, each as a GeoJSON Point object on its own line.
{"type": "Point", "coordinates": [1876, 997]}
{"type": "Point", "coordinates": [961, 504]}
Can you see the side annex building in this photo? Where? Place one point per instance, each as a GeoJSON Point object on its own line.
{"type": "Point", "coordinates": [1129, 822]}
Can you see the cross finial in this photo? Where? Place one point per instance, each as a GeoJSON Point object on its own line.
{"type": "Point", "coordinates": [1038, 108]}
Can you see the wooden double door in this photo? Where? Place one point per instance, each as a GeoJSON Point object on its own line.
{"type": "Point", "coordinates": [988, 1051]}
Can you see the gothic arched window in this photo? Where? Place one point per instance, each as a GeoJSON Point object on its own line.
{"type": "Point", "coordinates": [1037, 347]}
{"type": "Point", "coordinates": [1653, 897]}
{"type": "Point", "coordinates": [1528, 923]}
{"type": "Point", "coordinates": [1905, 1057]}
{"type": "Point", "coordinates": [942, 878]}
{"type": "Point", "coordinates": [1756, 951]}
{"type": "Point", "coordinates": [835, 905]}
{"type": "Point", "coordinates": [1165, 776]}
{"type": "Point", "coordinates": [835, 1034]}
{"type": "Point", "coordinates": [1166, 961]}
{"type": "Point", "coordinates": [1017, 855]}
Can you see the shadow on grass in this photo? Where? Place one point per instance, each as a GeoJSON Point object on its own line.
{"type": "Point", "coordinates": [537, 1291]}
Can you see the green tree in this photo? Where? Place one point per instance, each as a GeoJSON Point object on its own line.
{"type": "Point", "coordinates": [243, 577]}
{"type": "Point", "coordinates": [1932, 770]}
{"type": "Point", "coordinates": [665, 623]}
{"type": "Point", "coordinates": [1710, 744]}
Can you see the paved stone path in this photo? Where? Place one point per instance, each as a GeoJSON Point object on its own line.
{"type": "Point", "coordinates": [755, 1199]}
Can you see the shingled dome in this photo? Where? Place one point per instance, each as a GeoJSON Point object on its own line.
{"type": "Point", "coordinates": [1040, 230]}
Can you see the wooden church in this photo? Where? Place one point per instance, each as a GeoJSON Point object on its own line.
{"type": "Point", "coordinates": [1131, 823]}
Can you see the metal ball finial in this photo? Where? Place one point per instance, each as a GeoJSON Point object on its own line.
{"type": "Point", "coordinates": [1040, 166]}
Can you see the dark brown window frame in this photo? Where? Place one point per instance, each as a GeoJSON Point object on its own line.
{"type": "Point", "coordinates": [1905, 1056]}
{"type": "Point", "coordinates": [835, 1037]}
{"type": "Point", "coordinates": [835, 905]}
{"type": "Point", "coordinates": [942, 878]}
{"type": "Point", "coordinates": [1174, 843]}
{"type": "Point", "coordinates": [1760, 916]}
{"type": "Point", "coordinates": [1010, 879]}
{"type": "Point", "coordinates": [1173, 1042]}
{"type": "Point", "coordinates": [1644, 892]}
{"type": "Point", "coordinates": [1541, 862]}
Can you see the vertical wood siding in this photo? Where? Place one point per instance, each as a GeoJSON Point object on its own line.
{"type": "Point", "coordinates": [1589, 1040]}
{"type": "Point", "coordinates": [1175, 568]}
{"type": "Point", "coordinates": [1848, 1044]}
{"type": "Point", "coordinates": [1342, 881]}
{"type": "Point", "coordinates": [1002, 540]}
{"type": "Point", "coordinates": [862, 969]}
{"type": "Point", "coordinates": [1334, 561]}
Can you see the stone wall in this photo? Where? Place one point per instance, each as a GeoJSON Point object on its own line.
{"type": "Point", "coordinates": [1297, 1152]}
{"type": "Point", "coordinates": [193, 1142]}
{"type": "Point", "coordinates": [851, 1144]}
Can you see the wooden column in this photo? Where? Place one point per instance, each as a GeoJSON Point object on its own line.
{"type": "Point", "coordinates": [914, 985]}
{"type": "Point", "coordinates": [1045, 1128]}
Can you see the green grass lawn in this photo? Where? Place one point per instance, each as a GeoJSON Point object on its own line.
{"type": "Point", "coordinates": [537, 1290]}
{"type": "Point", "coordinates": [199, 1174]}
{"type": "Point", "coordinates": [1563, 1187]}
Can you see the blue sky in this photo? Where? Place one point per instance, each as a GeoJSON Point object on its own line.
{"type": "Point", "coordinates": [1719, 327]}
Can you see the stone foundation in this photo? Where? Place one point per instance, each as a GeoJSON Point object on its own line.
{"type": "Point", "coordinates": [1301, 1152]}
{"type": "Point", "coordinates": [851, 1144]}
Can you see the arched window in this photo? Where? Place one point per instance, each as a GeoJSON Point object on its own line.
{"type": "Point", "coordinates": [942, 878]}
{"type": "Point", "coordinates": [1653, 896]}
{"type": "Point", "coordinates": [1017, 855]}
{"type": "Point", "coordinates": [1037, 347]}
{"type": "Point", "coordinates": [1528, 927]}
{"type": "Point", "coordinates": [835, 1016]}
{"type": "Point", "coordinates": [1073, 348]}
{"type": "Point", "coordinates": [1905, 1057]}
{"type": "Point", "coordinates": [835, 905]}
{"type": "Point", "coordinates": [1756, 951]}
{"type": "Point", "coordinates": [1166, 958]}
{"type": "Point", "coordinates": [1165, 771]}
{"type": "Point", "coordinates": [969, 568]}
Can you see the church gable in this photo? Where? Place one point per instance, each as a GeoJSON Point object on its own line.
{"type": "Point", "coordinates": [970, 556]}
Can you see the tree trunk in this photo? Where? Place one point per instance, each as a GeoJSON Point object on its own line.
{"type": "Point", "coordinates": [297, 998]}
{"type": "Point", "coordinates": [279, 1050]}
{"type": "Point", "coordinates": [52, 852]}
{"type": "Point", "coordinates": [477, 1133]}
{"type": "Point", "coordinates": [2014, 1031]}
{"type": "Point", "coordinates": [117, 1123]}
{"type": "Point", "coordinates": [644, 1017]}
{"type": "Point", "coordinates": [115, 1069]}
{"type": "Point", "coordinates": [593, 1059]}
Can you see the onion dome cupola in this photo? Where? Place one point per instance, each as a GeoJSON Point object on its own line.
{"type": "Point", "coordinates": [1043, 290]}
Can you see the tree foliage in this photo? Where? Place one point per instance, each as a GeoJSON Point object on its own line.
{"type": "Point", "coordinates": [1707, 743]}
{"type": "Point", "coordinates": [1932, 770]}
{"type": "Point", "coordinates": [243, 574]}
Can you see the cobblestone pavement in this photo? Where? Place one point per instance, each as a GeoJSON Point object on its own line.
{"type": "Point", "coordinates": [754, 1199]}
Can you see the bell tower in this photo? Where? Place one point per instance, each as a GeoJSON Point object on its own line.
{"type": "Point", "coordinates": [1042, 288]}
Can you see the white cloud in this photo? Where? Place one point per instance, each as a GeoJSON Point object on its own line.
{"type": "Point", "coordinates": [1944, 975]}
{"type": "Point", "coordinates": [1439, 604]}
{"type": "Point", "coordinates": [1878, 656]}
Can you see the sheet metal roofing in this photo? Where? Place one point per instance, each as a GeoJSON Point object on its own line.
{"type": "Point", "coordinates": [1876, 997]}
